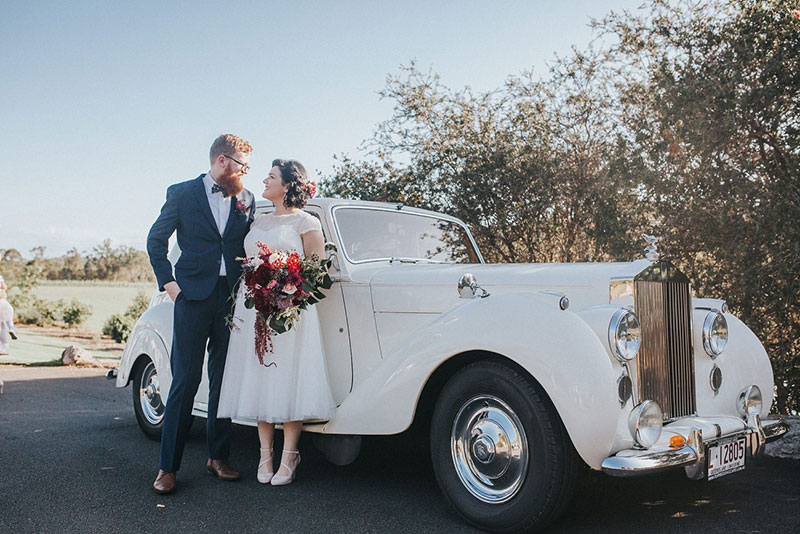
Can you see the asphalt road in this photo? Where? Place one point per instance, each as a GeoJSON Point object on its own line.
{"type": "Point", "coordinates": [72, 459]}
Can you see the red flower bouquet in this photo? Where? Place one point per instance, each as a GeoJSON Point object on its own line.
{"type": "Point", "coordinates": [279, 285]}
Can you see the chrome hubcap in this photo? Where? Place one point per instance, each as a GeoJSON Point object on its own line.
{"type": "Point", "coordinates": [489, 449]}
{"type": "Point", "coordinates": [150, 395]}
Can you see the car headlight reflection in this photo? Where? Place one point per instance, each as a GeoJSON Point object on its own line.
{"type": "Point", "coordinates": [624, 335]}
{"type": "Point", "coordinates": [645, 423]}
{"type": "Point", "coordinates": [715, 334]}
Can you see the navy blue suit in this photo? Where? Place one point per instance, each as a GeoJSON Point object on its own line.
{"type": "Point", "coordinates": [200, 308]}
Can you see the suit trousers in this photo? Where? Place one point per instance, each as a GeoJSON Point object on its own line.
{"type": "Point", "coordinates": [195, 322]}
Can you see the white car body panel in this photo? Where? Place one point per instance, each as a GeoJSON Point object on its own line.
{"type": "Point", "coordinates": [388, 325]}
{"type": "Point", "coordinates": [385, 402]}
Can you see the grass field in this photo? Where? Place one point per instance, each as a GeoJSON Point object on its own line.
{"type": "Point", "coordinates": [105, 298]}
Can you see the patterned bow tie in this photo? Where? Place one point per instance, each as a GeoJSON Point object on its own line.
{"type": "Point", "coordinates": [216, 187]}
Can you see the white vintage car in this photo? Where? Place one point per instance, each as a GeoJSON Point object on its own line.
{"type": "Point", "coordinates": [521, 371]}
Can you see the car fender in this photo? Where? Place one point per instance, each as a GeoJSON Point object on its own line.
{"type": "Point", "coordinates": [556, 347]}
{"type": "Point", "coordinates": [744, 362]}
{"type": "Point", "coordinates": [152, 335]}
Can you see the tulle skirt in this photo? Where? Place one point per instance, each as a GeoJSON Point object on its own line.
{"type": "Point", "coordinates": [296, 388]}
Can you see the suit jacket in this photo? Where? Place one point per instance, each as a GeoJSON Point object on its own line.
{"type": "Point", "coordinates": [187, 211]}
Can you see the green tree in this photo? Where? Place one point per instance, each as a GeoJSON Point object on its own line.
{"type": "Point", "coordinates": [682, 120]}
{"type": "Point", "coordinates": [524, 165]}
{"type": "Point", "coordinates": [12, 264]}
{"type": "Point", "coordinates": [710, 108]}
{"type": "Point", "coordinates": [120, 263]}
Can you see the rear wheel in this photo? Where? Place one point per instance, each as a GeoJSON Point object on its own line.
{"type": "Point", "coordinates": [147, 403]}
{"type": "Point", "coordinates": [500, 452]}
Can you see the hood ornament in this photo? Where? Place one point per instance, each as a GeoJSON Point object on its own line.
{"type": "Point", "coordinates": [650, 251]}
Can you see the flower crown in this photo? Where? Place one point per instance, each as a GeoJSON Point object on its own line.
{"type": "Point", "coordinates": [310, 187]}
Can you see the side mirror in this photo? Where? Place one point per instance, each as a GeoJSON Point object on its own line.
{"type": "Point", "coordinates": [331, 253]}
{"type": "Point", "coordinates": [468, 286]}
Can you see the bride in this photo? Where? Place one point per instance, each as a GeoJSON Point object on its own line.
{"type": "Point", "coordinates": [294, 387]}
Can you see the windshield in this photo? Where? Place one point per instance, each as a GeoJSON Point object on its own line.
{"type": "Point", "coordinates": [369, 234]}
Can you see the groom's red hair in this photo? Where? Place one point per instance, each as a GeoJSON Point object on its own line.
{"type": "Point", "coordinates": [228, 144]}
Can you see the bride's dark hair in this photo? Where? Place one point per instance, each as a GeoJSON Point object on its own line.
{"type": "Point", "coordinates": [294, 175]}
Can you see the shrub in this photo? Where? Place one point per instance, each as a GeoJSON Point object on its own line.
{"type": "Point", "coordinates": [140, 304]}
{"type": "Point", "coordinates": [38, 311]}
{"type": "Point", "coordinates": [28, 314]}
{"type": "Point", "coordinates": [120, 325]}
{"type": "Point", "coordinates": [74, 312]}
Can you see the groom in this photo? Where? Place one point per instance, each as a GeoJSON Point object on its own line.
{"type": "Point", "coordinates": [211, 215]}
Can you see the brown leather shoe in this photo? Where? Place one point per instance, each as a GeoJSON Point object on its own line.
{"type": "Point", "coordinates": [222, 469]}
{"type": "Point", "coordinates": [165, 482]}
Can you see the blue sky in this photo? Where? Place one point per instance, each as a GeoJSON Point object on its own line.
{"type": "Point", "coordinates": [103, 104]}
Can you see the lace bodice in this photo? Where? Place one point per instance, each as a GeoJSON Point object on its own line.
{"type": "Point", "coordinates": [280, 232]}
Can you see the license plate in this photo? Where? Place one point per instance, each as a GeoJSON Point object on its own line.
{"type": "Point", "coordinates": [726, 457]}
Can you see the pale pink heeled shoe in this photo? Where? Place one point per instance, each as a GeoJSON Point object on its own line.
{"type": "Point", "coordinates": [264, 472]}
{"type": "Point", "coordinates": [282, 480]}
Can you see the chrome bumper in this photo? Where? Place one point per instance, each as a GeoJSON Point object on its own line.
{"type": "Point", "coordinates": [692, 456]}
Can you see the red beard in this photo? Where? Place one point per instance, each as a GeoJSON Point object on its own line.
{"type": "Point", "coordinates": [232, 183]}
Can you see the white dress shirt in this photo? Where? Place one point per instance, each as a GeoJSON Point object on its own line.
{"type": "Point", "coordinates": [220, 209]}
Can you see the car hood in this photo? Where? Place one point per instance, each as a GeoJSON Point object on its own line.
{"type": "Point", "coordinates": [432, 288]}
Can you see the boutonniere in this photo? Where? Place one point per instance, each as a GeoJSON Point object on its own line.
{"type": "Point", "coordinates": [241, 207]}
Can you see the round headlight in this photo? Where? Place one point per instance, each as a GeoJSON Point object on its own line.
{"type": "Point", "coordinates": [715, 334]}
{"type": "Point", "coordinates": [623, 335]}
{"type": "Point", "coordinates": [749, 401]}
{"type": "Point", "coordinates": [645, 422]}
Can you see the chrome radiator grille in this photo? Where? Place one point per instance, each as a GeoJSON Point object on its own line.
{"type": "Point", "coordinates": [665, 362]}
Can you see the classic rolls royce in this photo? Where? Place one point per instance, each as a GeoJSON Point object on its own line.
{"type": "Point", "coordinates": [520, 373]}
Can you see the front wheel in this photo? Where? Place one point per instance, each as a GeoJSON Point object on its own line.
{"type": "Point", "coordinates": [500, 452]}
{"type": "Point", "coordinates": [147, 403]}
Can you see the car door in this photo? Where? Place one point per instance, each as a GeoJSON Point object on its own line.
{"type": "Point", "coordinates": [334, 325]}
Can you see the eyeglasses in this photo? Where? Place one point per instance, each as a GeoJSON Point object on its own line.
{"type": "Point", "coordinates": [245, 166]}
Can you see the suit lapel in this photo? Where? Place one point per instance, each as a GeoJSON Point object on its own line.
{"type": "Point", "coordinates": [202, 199]}
{"type": "Point", "coordinates": [231, 217]}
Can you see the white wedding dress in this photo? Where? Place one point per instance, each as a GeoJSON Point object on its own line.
{"type": "Point", "coordinates": [297, 387]}
{"type": "Point", "coordinates": [6, 322]}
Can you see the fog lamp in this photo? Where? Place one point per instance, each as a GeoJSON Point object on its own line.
{"type": "Point", "coordinates": [645, 422]}
{"type": "Point", "coordinates": [749, 402]}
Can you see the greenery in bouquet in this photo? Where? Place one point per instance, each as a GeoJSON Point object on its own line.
{"type": "Point", "coordinates": [279, 285]}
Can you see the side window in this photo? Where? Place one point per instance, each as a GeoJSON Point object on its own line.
{"type": "Point", "coordinates": [374, 234]}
